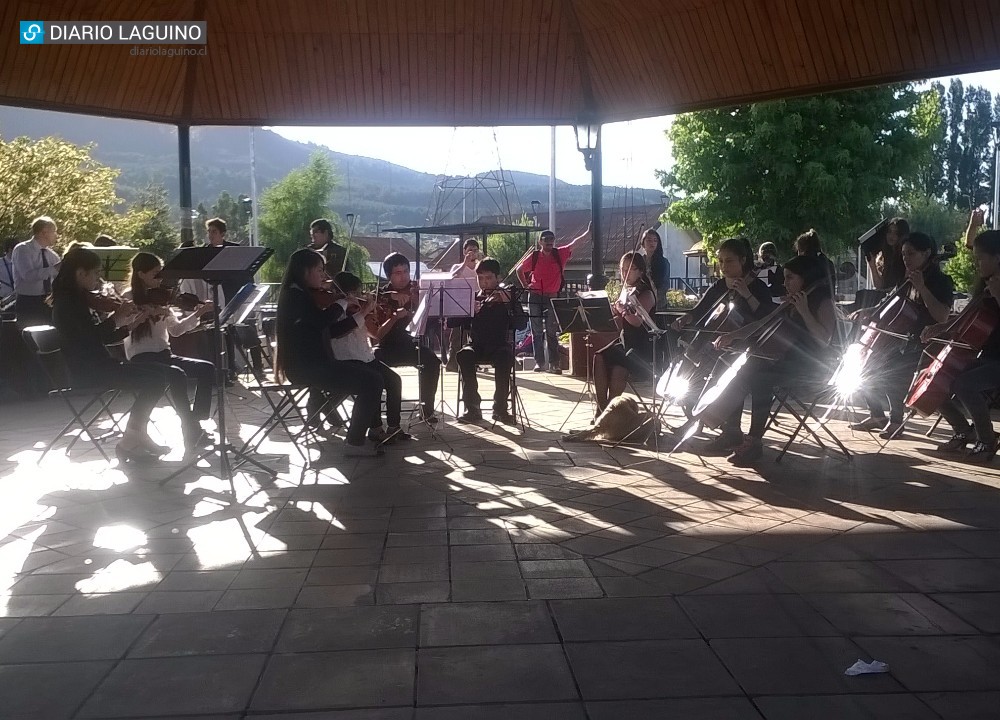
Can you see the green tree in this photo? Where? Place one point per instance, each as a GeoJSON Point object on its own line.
{"type": "Point", "coordinates": [236, 213]}
{"type": "Point", "coordinates": [59, 179]}
{"type": "Point", "coordinates": [962, 268]}
{"type": "Point", "coordinates": [200, 218]}
{"type": "Point", "coordinates": [288, 207]}
{"type": "Point", "coordinates": [771, 170]}
{"type": "Point", "coordinates": [153, 230]}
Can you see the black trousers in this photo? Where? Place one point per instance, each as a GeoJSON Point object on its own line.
{"type": "Point", "coordinates": [31, 310]}
{"type": "Point", "coordinates": [393, 393]}
{"type": "Point", "coordinates": [970, 390]}
{"type": "Point", "coordinates": [890, 381]}
{"type": "Point", "coordinates": [345, 378]}
{"type": "Point", "coordinates": [181, 369]}
{"type": "Point", "coordinates": [148, 380]}
{"type": "Point", "coordinates": [502, 359]}
{"type": "Point", "coordinates": [412, 355]}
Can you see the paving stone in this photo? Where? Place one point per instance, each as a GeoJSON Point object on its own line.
{"type": "Point", "coordinates": [413, 572]}
{"type": "Point", "coordinates": [424, 554]}
{"type": "Point", "coordinates": [888, 614]}
{"type": "Point", "coordinates": [257, 599]}
{"type": "Point", "coordinates": [214, 580]}
{"type": "Point", "coordinates": [179, 685]}
{"type": "Point", "coordinates": [411, 593]}
{"type": "Point", "coordinates": [101, 604]}
{"type": "Point", "coordinates": [355, 575]}
{"type": "Point", "coordinates": [353, 541]}
{"type": "Point", "coordinates": [559, 588]}
{"type": "Point", "coordinates": [521, 711]}
{"type": "Point", "coordinates": [51, 691]}
{"type": "Point", "coordinates": [321, 596]}
{"type": "Point", "coordinates": [488, 589]}
{"type": "Point", "coordinates": [490, 570]}
{"type": "Point", "coordinates": [736, 616]}
{"type": "Point", "coordinates": [807, 666]}
{"type": "Point", "coordinates": [946, 575]}
{"type": "Point", "coordinates": [536, 569]}
{"type": "Point", "coordinates": [156, 603]}
{"type": "Point", "coordinates": [931, 664]}
{"type": "Point", "coordinates": [621, 619]}
{"type": "Point", "coordinates": [851, 576]}
{"type": "Point", "coordinates": [360, 678]}
{"type": "Point", "coordinates": [417, 539]}
{"type": "Point", "coordinates": [482, 553]}
{"type": "Point", "coordinates": [281, 559]}
{"type": "Point", "coordinates": [66, 639]}
{"type": "Point", "coordinates": [721, 708]}
{"type": "Point", "coordinates": [963, 705]}
{"type": "Point", "coordinates": [978, 609]}
{"type": "Point", "coordinates": [844, 707]}
{"type": "Point", "coordinates": [544, 551]}
{"type": "Point", "coordinates": [236, 632]}
{"type": "Point", "coordinates": [348, 628]}
{"type": "Point", "coordinates": [368, 714]}
{"type": "Point", "coordinates": [508, 623]}
{"type": "Point", "coordinates": [648, 669]}
{"type": "Point", "coordinates": [506, 673]}
{"type": "Point", "coordinates": [269, 578]}
{"type": "Point", "coordinates": [496, 536]}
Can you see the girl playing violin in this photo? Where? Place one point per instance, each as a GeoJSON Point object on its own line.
{"type": "Point", "coordinates": [84, 336]}
{"type": "Point", "coordinates": [353, 347]}
{"type": "Point", "coordinates": [149, 341]}
{"type": "Point", "coordinates": [612, 364]}
{"type": "Point", "coordinates": [303, 354]}
{"type": "Point", "coordinates": [930, 290]}
{"type": "Point", "coordinates": [984, 376]}
{"type": "Point", "coordinates": [813, 317]}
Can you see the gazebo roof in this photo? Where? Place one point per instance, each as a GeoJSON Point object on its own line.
{"type": "Point", "coordinates": [482, 62]}
{"type": "Point", "coordinates": [474, 229]}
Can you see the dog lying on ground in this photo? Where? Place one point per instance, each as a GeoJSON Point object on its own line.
{"type": "Point", "coordinates": [622, 420]}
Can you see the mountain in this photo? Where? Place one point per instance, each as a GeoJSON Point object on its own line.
{"type": "Point", "coordinates": [381, 194]}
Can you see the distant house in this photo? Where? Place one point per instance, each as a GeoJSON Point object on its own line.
{"type": "Point", "coordinates": [380, 246]}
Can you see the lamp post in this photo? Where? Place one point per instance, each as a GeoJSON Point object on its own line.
{"type": "Point", "coordinates": [996, 175]}
{"type": "Point", "coordinates": [588, 142]}
{"type": "Point", "coordinates": [534, 210]}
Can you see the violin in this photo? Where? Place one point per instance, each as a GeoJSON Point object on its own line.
{"type": "Point", "coordinates": [500, 294]}
{"type": "Point", "coordinates": [166, 297]}
{"type": "Point", "coordinates": [324, 297]}
{"type": "Point", "coordinates": [103, 303]}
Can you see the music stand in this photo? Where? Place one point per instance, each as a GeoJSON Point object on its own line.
{"type": "Point", "coordinates": [442, 297]}
{"type": "Point", "coordinates": [216, 265]}
{"type": "Point", "coordinates": [588, 314]}
{"type": "Point", "coordinates": [115, 262]}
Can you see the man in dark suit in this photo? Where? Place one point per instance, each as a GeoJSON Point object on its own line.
{"type": "Point", "coordinates": [321, 240]}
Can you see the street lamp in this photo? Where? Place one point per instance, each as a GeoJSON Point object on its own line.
{"type": "Point", "coordinates": [588, 142]}
{"type": "Point", "coordinates": [534, 210]}
{"type": "Point", "coordinates": [996, 175]}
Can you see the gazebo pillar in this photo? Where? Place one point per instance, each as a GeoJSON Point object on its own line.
{"type": "Point", "coordinates": [184, 174]}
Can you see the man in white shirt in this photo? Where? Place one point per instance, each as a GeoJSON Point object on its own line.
{"type": "Point", "coordinates": [35, 265]}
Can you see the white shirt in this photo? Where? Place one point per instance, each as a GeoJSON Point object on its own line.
{"type": "Point", "coordinates": [354, 345]}
{"type": "Point", "coordinates": [29, 274]}
{"type": "Point", "coordinates": [163, 329]}
{"type": "Point", "coordinates": [463, 271]}
{"type": "Point", "coordinates": [202, 290]}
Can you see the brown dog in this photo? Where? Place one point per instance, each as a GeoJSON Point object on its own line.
{"type": "Point", "coordinates": [622, 420]}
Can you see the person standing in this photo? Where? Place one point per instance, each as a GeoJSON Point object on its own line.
{"type": "Point", "coordinates": [466, 270]}
{"type": "Point", "coordinates": [541, 273]}
{"type": "Point", "coordinates": [35, 266]}
{"type": "Point", "coordinates": [770, 272]}
{"type": "Point", "coordinates": [321, 240]}
{"type": "Point", "coordinates": [7, 268]}
{"type": "Point", "coordinates": [886, 267]}
{"type": "Point", "coordinates": [657, 265]}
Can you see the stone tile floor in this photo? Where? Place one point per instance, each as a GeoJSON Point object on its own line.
{"type": "Point", "coordinates": [488, 574]}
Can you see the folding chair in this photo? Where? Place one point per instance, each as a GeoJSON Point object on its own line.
{"type": "Point", "coordinates": [43, 342]}
{"type": "Point", "coordinates": [800, 399]}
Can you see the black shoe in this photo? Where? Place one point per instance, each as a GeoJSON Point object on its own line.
{"type": "Point", "coordinates": [749, 452]}
{"type": "Point", "coordinates": [983, 452]}
{"type": "Point", "coordinates": [957, 442]}
{"type": "Point", "coordinates": [396, 434]}
{"type": "Point", "coordinates": [538, 368]}
{"type": "Point", "coordinates": [471, 416]}
{"type": "Point", "coordinates": [505, 417]}
{"type": "Point", "coordinates": [429, 417]}
{"type": "Point", "coordinates": [723, 444]}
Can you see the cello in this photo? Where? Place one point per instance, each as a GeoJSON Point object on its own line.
{"type": "Point", "coordinates": [966, 335]}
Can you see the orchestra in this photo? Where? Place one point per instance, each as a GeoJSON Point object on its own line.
{"type": "Point", "coordinates": [759, 325]}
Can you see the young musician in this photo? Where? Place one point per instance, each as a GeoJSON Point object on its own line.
{"type": "Point", "coordinates": [497, 313]}
{"type": "Point", "coordinates": [984, 376]}
{"type": "Point", "coordinates": [886, 266]}
{"type": "Point", "coordinates": [813, 319]}
{"type": "Point", "coordinates": [303, 354]}
{"type": "Point", "coordinates": [465, 269]}
{"type": "Point", "coordinates": [931, 291]}
{"type": "Point", "coordinates": [750, 297]}
{"type": "Point", "coordinates": [353, 347]}
{"type": "Point", "coordinates": [657, 265]}
{"type": "Point", "coordinates": [612, 364]}
{"type": "Point", "coordinates": [149, 341]}
{"type": "Point", "coordinates": [541, 273]}
{"type": "Point", "coordinates": [84, 335]}
{"type": "Point", "coordinates": [808, 244]}
{"type": "Point", "coordinates": [396, 347]}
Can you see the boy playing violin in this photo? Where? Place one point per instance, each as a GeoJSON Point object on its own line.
{"type": "Point", "coordinates": [497, 313]}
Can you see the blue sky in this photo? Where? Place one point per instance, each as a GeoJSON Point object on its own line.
{"type": "Point", "coordinates": [632, 150]}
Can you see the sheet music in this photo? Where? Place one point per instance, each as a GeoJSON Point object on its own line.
{"type": "Point", "coordinates": [233, 257]}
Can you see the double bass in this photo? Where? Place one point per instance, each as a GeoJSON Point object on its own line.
{"type": "Point", "coordinates": [966, 335]}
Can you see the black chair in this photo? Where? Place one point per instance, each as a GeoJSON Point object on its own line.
{"type": "Point", "coordinates": [43, 342]}
{"type": "Point", "coordinates": [800, 398]}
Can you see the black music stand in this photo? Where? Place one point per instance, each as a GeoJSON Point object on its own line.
{"type": "Point", "coordinates": [216, 265]}
{"type": "Point", "coordinates": [585, 315]}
